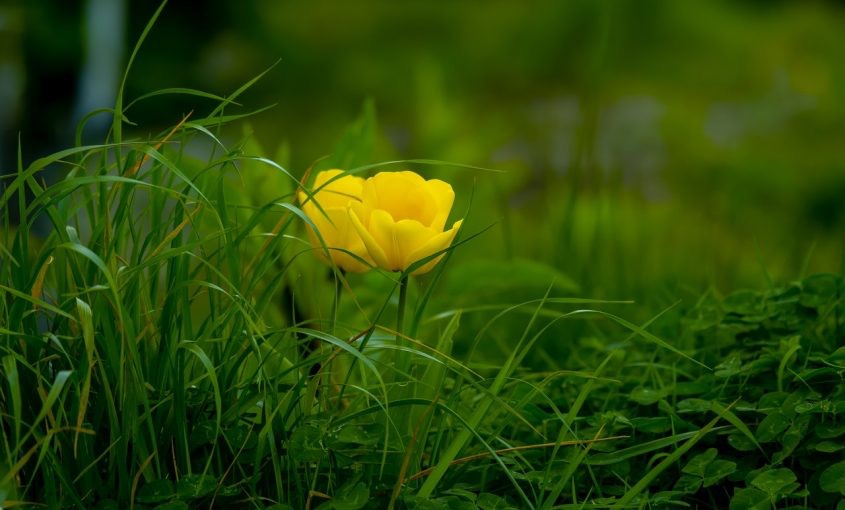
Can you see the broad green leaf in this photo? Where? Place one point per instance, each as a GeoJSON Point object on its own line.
{"type": "Point", "coordinates": [669, 460]}
{"type": "Point", "coordinates": [833, 478]}
{"type": "Point", "coordinates": [156, 491]}
{"type": "Point", "coordinates": [688, 483]}
{"type": "Point", "coordinates": [107, 504]}
{"type": "Point", "coordinates": [359, 436]}
{"type": "Point", "coordinates": [694, 405]}
{"type": "Point", "coordinates": [741, 442]}
{"type": "Point", "coordinates": [792, 438]}
{"type": "Point", "coordinates": [819, 290]}
{"type": "Point", "coordinates": [488, 501]}
{"type": "Point", "coordinates": [750, 499]}
{"type": "Point", "coordinates": [698, 464]}
{"type": "Point", "coordinates": [195, 486]}
{"type": "Point", "coordinates": [717, 470]}
{"type": "Point", "coordinates": [648, 396]}
{"type": "Point", "coordinates": [418, 503]}
{"type": "Point", "coordinates": [172, 505]}
{"type": "Point", "coordinates": [652, 425]}
{"type": "Point", "coordinates": [744, 302]}
{"type": "Point", "coordinates": [829, 446]}
{"type": "Point", "coordinates": [728, 368]}
{"type": "Point", "coordinates": [672, 498]}
{"type": "Point", "coordinates": [830, 430]}
{"type": "Point", "coordinates": [351, 496]}
{"type": "Point", "coordinates": [772, 426]}
{"type": "Point", "coordinates": [774, 482]}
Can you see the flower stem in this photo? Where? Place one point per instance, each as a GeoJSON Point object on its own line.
{"type": "Point", "coordinates": [403, 359]}
{"type": "Point", "coordinates": [402, 416]}
{"type": "Point", "coordinates": [400, 314]}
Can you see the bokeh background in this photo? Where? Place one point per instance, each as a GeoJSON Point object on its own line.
{"type": "Point", "coordinates": [651, 150]}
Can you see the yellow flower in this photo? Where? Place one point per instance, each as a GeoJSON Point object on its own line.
{"type": "Point", "coordinates": [401, 218]}
{"type": "Point", "coordinates": [333, 221]}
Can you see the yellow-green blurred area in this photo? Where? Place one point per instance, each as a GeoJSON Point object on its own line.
{"type": "Point", "coordinates": [649, 147]}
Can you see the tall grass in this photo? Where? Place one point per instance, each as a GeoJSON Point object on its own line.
{"type": "Point", "coordinates": [157, 347]}
{"type": "Point", "coordinates": [162, 343]}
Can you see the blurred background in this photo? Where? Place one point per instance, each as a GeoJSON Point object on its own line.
{"type": "Point", "coordinates": [651, 150]}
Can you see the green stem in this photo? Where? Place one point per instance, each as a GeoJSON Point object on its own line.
{"type": "Point", "coordinates": [402, 417]}
{"type": "Point", "coordinates": [400, 314]}
{"type": "Point", "coordinates": [403, 359]}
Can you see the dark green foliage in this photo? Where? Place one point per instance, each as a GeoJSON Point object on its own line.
{"type": "Point", "coordinates": [778, 385]}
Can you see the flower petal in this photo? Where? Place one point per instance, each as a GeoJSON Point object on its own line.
{"type": "Point", "coordinates": [435, 244]}
{"type": "Point", "coordinates": [339, 191]}
{"type": "Point", "coordinates": [376, 252]}
{"type": "Point", "coordinates": [338, 234]}
{"type": "Point", "coordinates": [343, 235]}
{"type": "Point", "coordinates": [403, 194]}
{"type": "Point", "coordinates": [445, 197]}
{"type": "Point", "coordinates": [408, 237]}
{"type": "Point", "coordinates": [381, 228]}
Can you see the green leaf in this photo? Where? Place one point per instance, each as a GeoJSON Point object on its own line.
{"type": "Point", "coordinates": [205, 432]}
{"type": "Point", "coordinates": [357, 435]}
{"type": "Point", "coordinates": [741, 442]}
{"type": "Point", "coordinates": [306, 443]}
{"type": "Point", "coordinates": [673, 498]}
{"type": "Point", "coordinates": [156, 491]}
{"type": "Point", "coordinates": [717, 470]}
{"type": "Point", "coordinates": [792, 438]}
{"type": "Point", "coordinates": [698, 464]}
{"type": "Point", "coordinates": [466, 494]}
{"type": "Point", "coordinates": [743, 302]}
{"type": "Point", "coordinates": [730, 367]}
{"type": "Point", "coordinates": [830, 430]}
{"type": "Point", "coordinates": [418, 503]}
{"type": "Point", "coordinates": [172, 505]}
{"type": "Point", "coordinates": [10, 370]}
{"type": "Point", "coordinates": [774, 482]}
{"type": "Point", "coordinates": [833, 478]}
{"type": "Point", "coordinates": [351, 496]}
{"type": "Point", "coordinates": [652, 425]}
{"type": "Point", "coordinates": [734, 420]}
{"type": "Point", "coordinates": [772, 426]}
{"type": "Point", "coordinates": [750, 499]}
{"type": "Point", "coordinates": [634, 491]}
{"type": "Point", "coordinates": [648, 396]}
{"type": "Point", "coordinates": [694, 405]}
{"type": "Point", "coordinates": [819, 290]}
{"type": "Point", "coordinates": [195, 486]}
{"type": "Point", "coordinates": [688, 484]}
{"type": "Point", "coordinates": [771, 400]}
{"type": "Point", "coordinates": [487, 501]}
{"type": "Point", "coordinates": [829, 446]}
{"type": "Point", "coordinates": [837, 356]}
